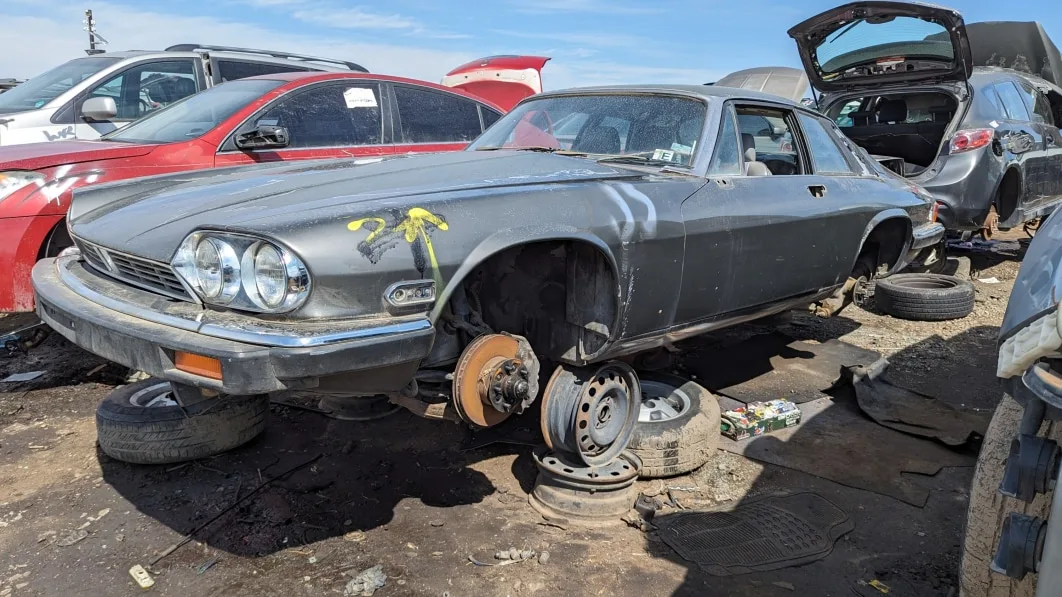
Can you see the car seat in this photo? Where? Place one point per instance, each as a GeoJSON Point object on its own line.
{"type": "Point", "coordinates": [752, 167]}
{"type": "Point", "coordinates": [599, 139]}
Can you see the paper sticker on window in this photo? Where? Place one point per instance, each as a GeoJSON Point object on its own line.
{"type": "Point", "coordinates": [663, 154]}
{"type": "Point", "coordinates": [359, 97]}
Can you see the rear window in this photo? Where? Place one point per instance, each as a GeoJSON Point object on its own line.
{"type": "Point", "coordinates": [863, 42]}
{"type": "Point", "coordinates": [230, 70]}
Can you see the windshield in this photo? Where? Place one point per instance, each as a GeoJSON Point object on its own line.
{"type": "Point", "coordinates": [195, 115]}
{"type": "Point", "coordinates": [40, 90]}
{"type": "Point", "coordinates": [655, 127]}
{"type": "Point", "coordinates": [895, 39]}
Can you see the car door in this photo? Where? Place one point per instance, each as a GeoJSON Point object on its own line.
{"type": "Point", "coordinates": [138, 91]}
{"type": "Point", "coordinates": [322, 120]}
{"type": "Point", "coordinates": [1044, 117]}
{"type": "Point", "coordinates": [1025, 140]}
{"type": "Point", "coordinates": [753, 240]}
{"type": "Point", "coordinates": [428, 120]}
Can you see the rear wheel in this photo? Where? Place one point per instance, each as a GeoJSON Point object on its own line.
{"type": "Point", "coordinates": [145, 423]}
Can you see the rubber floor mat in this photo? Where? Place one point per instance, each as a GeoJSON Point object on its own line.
{"type": "Point", "coordinates": [760, 534]}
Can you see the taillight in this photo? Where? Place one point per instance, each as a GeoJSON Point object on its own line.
{"type": "Point", "coordinates": [971, 140]}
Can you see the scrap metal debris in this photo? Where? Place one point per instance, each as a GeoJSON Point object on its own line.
{"type": "Point", "coordinates": [17, 377]}
{"type": "Point", "coordinates": [72, 538]}
{"type": "Point", "coordinates": [366, 582]}
{"type": "Point", "coordinates": [141, 576]}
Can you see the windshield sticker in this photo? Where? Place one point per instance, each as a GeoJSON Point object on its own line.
{"type": "Point", "coordinates": [359, 97]}
{"type": "Point", "coordinates": [414, 227]}
{"type": "Point", "coordinates": [664, 154]}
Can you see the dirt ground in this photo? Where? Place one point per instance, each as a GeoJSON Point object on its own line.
{"type": "Point", "coordinates": [409, 495]}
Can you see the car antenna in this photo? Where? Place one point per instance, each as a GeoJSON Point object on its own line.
{"type": "Point", "coordinates": [94, 38]}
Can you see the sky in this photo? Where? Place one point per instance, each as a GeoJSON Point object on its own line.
{"type": "Point", "coordinates": [590, 42]}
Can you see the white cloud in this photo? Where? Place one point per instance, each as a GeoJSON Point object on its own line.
{"type": "Point", "coordinates": [354, 18]}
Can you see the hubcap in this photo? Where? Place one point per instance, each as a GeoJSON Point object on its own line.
{"type": "Point", "coordinates": [154, 396]}
{"type": "Point", "coordinates": [661, 402]}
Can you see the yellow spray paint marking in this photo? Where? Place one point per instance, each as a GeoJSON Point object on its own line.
{"type": "Point", "coordinates": [413, 226]}
{"type": "Point", "coordinates": [377, 231]}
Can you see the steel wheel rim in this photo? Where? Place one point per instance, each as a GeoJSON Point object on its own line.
{"type": "Point", "coordinates": [662, 402]}
{"type": "Point", "coordinates": [154, 396]}
{"type": "Point", "coordinates": [592, 416]}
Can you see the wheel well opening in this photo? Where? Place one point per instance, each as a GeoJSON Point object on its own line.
{"type": "Point", "coordinates": [57, 240]}
{"type": "Point", "coordinates": [885, 244]}
{"type": "Point", "coordinates": [1009, 194]}
{"type": "Point", "coordinates": [560, 295]}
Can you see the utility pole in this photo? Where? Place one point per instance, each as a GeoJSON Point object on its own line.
{"type": "Point", "coordinates": [90, 26]}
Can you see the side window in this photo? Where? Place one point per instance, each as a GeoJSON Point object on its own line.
{"type": "Point", "coordinates": [230, 70]}
{"type": "Point", "coordinates": [766, 137]}
{"type": "Point", "coordinates": [1012, 101]}
{"type": "Point", "coordinates": [329, 115]}
{"type": "Point", "coordinates": [147, 87]}
{"type": "Point", "coordinates": [727, 158]}
{"type": "Point", "coordinates": [429, 116]}
{"type": "Point", "coordinates": [825, 154]}
{"type": "Point", "coordinates": [489, 116]}
{"type": "Point", "coordinates": [1042, 108]}
{"type": "Point", "coordinates": [844, 116]}
{"type": "Point", "coordinates": [997, 104]}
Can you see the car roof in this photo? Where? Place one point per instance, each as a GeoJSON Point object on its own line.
{"type": "Point", "coordinates": [994, 74]}
{"type": "Point", "coordinates": [704, 92]}
{"type": "Point", "coordinates": [307, 77]}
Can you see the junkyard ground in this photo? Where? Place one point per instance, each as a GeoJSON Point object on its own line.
{"type": "Point", "coordinates": [406, 494]}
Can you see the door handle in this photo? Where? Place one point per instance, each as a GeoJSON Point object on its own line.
{"type": "Point", "coordinates": [817, 191]}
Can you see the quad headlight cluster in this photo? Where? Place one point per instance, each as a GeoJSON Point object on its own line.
{"type": "Point", "coordinates": [242, 272]}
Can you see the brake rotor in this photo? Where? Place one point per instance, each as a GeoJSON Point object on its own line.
{"type": "Point", "coordinates": [495, 377]}
{"type": "Point", "coordinates": [591, 413]}
{"type": "Point", "coordinates": [990, 225]}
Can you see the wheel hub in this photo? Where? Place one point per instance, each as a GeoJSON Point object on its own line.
{"type": "Point", "coordinates": [496, 376]}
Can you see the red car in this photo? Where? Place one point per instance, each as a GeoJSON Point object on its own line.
{"type": "Point", "coordinates": [287, 116]}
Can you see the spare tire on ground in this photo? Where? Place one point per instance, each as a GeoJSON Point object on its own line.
{"type": "Point", "coordinates": [678, 426]}
{"type": "Point", "coordinates": [924, 297]}
{"type": "Point", "coordinates": [142, 423]}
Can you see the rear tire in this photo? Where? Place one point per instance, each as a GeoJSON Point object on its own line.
{"type": "Point", "coordinates": [988, 509]}
{"type": "Point", "coordinates": [925, 297]}
{"type": "Point", "coordinates": [130, 430]}
{"type": "Point", "coordinates": [681, 442]}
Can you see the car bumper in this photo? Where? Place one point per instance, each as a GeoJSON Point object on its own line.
{"type": "Point", "coordinates": [964, 185]}
{"type": "Point", "coordinates": [376, 360]}
{"type": "Point", "coordinates": [924, 239]}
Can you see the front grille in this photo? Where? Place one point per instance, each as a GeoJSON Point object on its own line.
{"type": "Point", "coordinates": [144, 273]}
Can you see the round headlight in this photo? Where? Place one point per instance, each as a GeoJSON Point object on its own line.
{"type": "Point", "coordinates": [270, 276]}
{"type": "Point", "coordinates": [208, 268]}
{"type": "Point", "coordinates": [217, 270]}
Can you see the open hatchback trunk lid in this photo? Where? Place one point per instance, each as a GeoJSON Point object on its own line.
{"type": "Point", "coordinates": [504, 80]}
{"type": "Point", "coordinates": [867, 44]}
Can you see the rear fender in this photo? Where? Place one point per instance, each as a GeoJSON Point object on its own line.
{"type": "Point", "coordinates": [881, 218]}
{"type": "Point", "coordinates": [501, 80]}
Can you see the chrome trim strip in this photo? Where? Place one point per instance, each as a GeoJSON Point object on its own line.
{"type": "Point", "coordinates": [247, 335]}
{"type": "Point", "coordinates": [926, 234]}
{"type": "Point", "coordinates": [112, 272]}
{"type": "Point", "coordinates": [271, 338]}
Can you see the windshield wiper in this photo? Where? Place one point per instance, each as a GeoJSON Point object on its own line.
{"type": "Point", "coordinates": [535, 148]}
{"type": "Point", "coordinates": [636, 159]}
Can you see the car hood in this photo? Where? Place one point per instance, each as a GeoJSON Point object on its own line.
{"type": "Point", "coordinates": [149, 218]}
{"type": "Point", "coordinates": [883, 52]}
{"type": "Point", "coordinates": [1038, 287]}
{"type": "Point", "coordinates": [34, 156]}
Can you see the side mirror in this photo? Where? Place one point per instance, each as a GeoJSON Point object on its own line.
{"type": "Point", "coordinates": [99, 108]}
{"type": "Point", "coordinates": [263, 136]}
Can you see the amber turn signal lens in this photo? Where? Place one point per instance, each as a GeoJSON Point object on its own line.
{"type": "Point", "coordinates": [198, 365]}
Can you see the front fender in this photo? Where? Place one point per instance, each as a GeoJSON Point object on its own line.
{"type": "Point", "coordinates": [514, 237]}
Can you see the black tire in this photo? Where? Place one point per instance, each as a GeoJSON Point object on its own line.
{"type": "Point", "coordinates": [170, 433]}
{"type": "Point", "coordinates": [681, 444]}
{"type": "Point", "coordinates": [924, 297]}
